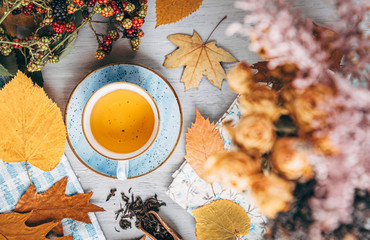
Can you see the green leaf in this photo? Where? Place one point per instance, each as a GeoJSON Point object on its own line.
{"type": "Point", "coordinates": [1, 4]}
{"type": "Point", "coordinates": [8, 64]}
{"type": "Point", "coordinates": [68, 45]}
{"type": "Point", "coordinates": [4, 71]}
{"type": "Point", "coordinates": [4, 80]}
{"type": "Point", "coordinates": [36, 78]}
{"type": "Point", "coordinates": [77, 18]}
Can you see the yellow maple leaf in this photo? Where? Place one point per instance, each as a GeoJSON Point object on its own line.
{"type": "Point", "coordinates": [221, 219]}
{"type": "Point", "coordinates": [170, 11]}
{"type": "Point", "coordinates": [199, 58]}
{"type": "Point", "coordinates": [32, 127]}
{"type": "Point", "coordinates": [202, 140]}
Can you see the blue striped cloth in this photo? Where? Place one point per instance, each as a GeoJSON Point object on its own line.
{"type": "Point", "coordinates": [14, 182]}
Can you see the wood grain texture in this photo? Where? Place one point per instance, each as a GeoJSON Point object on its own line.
{"type": "Point", "coordinates": [60, 80]}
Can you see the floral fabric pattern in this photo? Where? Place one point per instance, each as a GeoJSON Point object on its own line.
{"type": "Point", "coordinates": [190, 191]}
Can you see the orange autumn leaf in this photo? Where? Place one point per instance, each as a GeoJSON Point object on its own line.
{"type": "Point", "coordinates": [335, 55]}
{"type": "Point", "coordinates": [13, 227]}
{"type": "Point", "coordinates": [170, 11]}
{"type": "Point", "coordinates": [276, 77]}
{"type": "Point", "coordinates": [202, 140]}
{"type": "Point", "coordinates": [53, 205]}
{"type": "Point", "coordinates": [199, 58]}
{"type": "Point", "coordinates": [32, 127]}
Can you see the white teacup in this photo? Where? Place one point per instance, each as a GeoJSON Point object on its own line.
{"type": "Point", "coordinates": [86, 120]}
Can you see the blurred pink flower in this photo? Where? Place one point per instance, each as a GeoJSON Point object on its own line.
{"type": "Point", "coordinates": [282, 36]}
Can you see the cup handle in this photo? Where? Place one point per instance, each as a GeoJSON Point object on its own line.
{"type": "Point", "coordinates": [122, 170]}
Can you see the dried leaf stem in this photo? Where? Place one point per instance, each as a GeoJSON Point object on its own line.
{"type": "Point", "coordinates": [215, 29]}
{"type": "Point", "coordinates": [213, 190]}
{"type": "Point", "coordinates": [3, 236]}
{"type": "Point", "coordinates": [28, 173]}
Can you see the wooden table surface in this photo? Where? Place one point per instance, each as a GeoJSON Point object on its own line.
{"type": "Point", "coordinates": [60, 80]}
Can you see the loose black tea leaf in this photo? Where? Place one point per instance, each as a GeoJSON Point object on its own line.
{"type": "Point", "coordinates": [153, 226]}
{"type": "Point", "coordinates": [124, 224]}
{"type": "Point", "coordinates": [119, 211]}
{"type": "Point", "coordinates": [111, 194]}
{"type": "Point", "coordinates": [124, 197]}
{"type": "Point", "coordinates": [136, 208]}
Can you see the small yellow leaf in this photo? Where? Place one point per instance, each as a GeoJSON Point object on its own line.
{"type": "Point", "coordinates": [202, 140]}
{"type": "Point", "coordinates": [221, 219]}
{"type": "Point", "coordinates": [170, 11]}
{"type": "Point", "coordinates": [199, 58]}
{"type": "Point", "coordinates": [32, 127]}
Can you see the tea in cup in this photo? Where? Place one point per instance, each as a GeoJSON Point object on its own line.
{"type": "Point", "coordinates": [120, 121]}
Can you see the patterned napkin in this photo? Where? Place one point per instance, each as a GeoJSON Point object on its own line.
{"type": "Point", "coordinates": [14, 182]}
{"type": "Point", "coordinates": [190, 191]}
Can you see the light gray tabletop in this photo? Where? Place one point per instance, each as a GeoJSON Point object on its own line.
{"type": "Point", "coordinates": [60, 80]}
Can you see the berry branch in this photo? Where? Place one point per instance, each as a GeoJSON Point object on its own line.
{"type": "Point", "coordinates": [95, 33]}
{"type": "Point", "coordinates": [57, 21]}
{"type": "Point", "coordinates": [66, 38]}
{"type": "Point", "coordinates": [9, 10]}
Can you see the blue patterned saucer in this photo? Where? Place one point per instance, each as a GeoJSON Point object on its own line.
{"type": "Point", "coordinates": [170, 119]}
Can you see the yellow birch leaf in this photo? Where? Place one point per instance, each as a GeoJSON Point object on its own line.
{"type": "Point", "coordinates": [170, 11]}
{"type": "Point", "coordinates": [202, 140]}
{"type": "Point", "coordinates": [32, 127]}
{"type": "Point", "coordinates": [199, 58]}
{"type": "Point", "coordinates": [221, 219]}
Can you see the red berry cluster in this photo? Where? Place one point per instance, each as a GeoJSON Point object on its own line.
{"type": "Point", "coordinates": [107, 40]}
{"type": "Point", "coordinates": [106, 46]}
{"type": "Point", "coordinates": [115, 7]}
{"type": "Point", "coordinates": [130, 33]}
{"type": "Point", "coordinates": [56, 20]}
{"type": "Point", "coordinates": [29, 9]}
{"type": "Point", "coordinates": [70, 27]}
{"type": "Point", "coordinates": [91, 3]}
{"type": "Point", "coordinates": [59, 26]}
{"type": "Point", "coordinates": [53, 19]}
{"type": "Point", "coordinates": [130, 18]}
{"type": "Point", "coordinates": [79, 2]}
{"type": "Point", "coordinates": [137, 22]}
{"type": "Point", "coordinates": [17, 46]}
{"type": "Point", "coordinates": [107, 11]}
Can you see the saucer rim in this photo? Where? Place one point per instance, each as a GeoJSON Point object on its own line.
{"type": "Point", "coordinates": [132, 64]}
